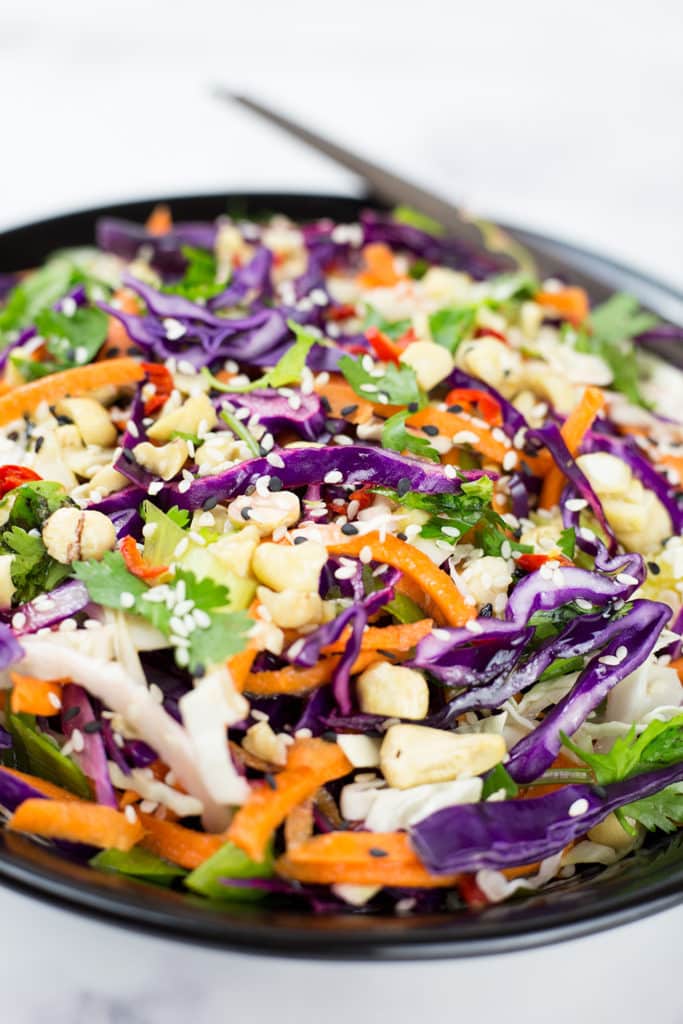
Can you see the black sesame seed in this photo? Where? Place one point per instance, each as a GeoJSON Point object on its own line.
{"type": "Point", "coordinates": [654, 568]}
{"type": "Point", "coordinates": [270, 779]}
{"type": "Point", "coordinates": [413, 407]}
{"type": "Point", "coordinates": [210, 503]}
{"type": "Point", "coordinates": [375, 851]}
{"type": "Point", "coordinates": [486, 611]}
{"type": "Point", "coordinates": [71, 713]}
{"type": "Point", "coordinates": [245, 513]}
{"type": "Point", "coordinates": [113, 352]}
{"type": "Point", "coordinates": [430, 430]}
{"type": "Point", "coordinates": [404, 485]}
{"type": "Point", "coordinates": [348, 410]}
{"type": "Point", "coordinates": [275, 484]}
{"type": "Point", "coordinates": [64, 421]}
{"type": "Point", "coordinates": [13, 435]}
{"type": "Point", "coordinates": [455, 408]}
{"type": "Point", "coordinates": [92, 727]}
{"type": "Point", "coordinates": [402, 536]}
{"type": "Point", "coordinates": [40, 441]}
{"type": "Point", "coordinates": [349, 529]}
{"type": "Point", "coordinates": [325, 402]}
{"type": "Point", "coordinates": [300, 540]}
{"type": "Point", "coordinates": [329, 735]}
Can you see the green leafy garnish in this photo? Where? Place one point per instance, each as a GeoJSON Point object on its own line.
{"type": "Point", "coordinates": [396, 386]}
{"type": "Point", "coordinates": [34, 503]}
{"type": "Point", "coordinates": [415, 219]}
{"type": "Point", "coordinates": [240, 430]}
{"type": "Point", "coordinates": [199, 280]}
{"type": "Point", "coordinates": [34, 293]}
{"type": "Point", "coordinates": [449, 327]}
{"type": "Point", "coordinates": [457, 513]}
{"type": "Point", "coordinates": [33, 571]}
{"type": "Point", "coordinates": [614, 324]}
{"type": "Point", "coordinates": [286, 371]}
{"type": "Point", "coordinates": [70, 340]}
{"type": "Point", "coordinates": [393, 329]}
{"type": "Point", "coordinates": [39, 754]}
{"type": "Point", "coordinates": [562, 667]}
{"type": "Point", "coordinates": [404, 609]}
{"type": "Point", "coordinates": [138, 863]}
{"type": "Point", "coordinates": [229, 862]}
{"type": "Point", "coordinates": [398, 439]}
{"type": "Point", "coordinates": [660, 744]}
{"type": "Point", "coordinates": [515, 287]}
{"type": "Point", "coordinates": [662, 811]}
{"type": "Point", "coordinates": [223, 634]}
{"type": "Point", "coordinates": [567, 542]}
{"type": "Point", "coordinates": [499, 779]}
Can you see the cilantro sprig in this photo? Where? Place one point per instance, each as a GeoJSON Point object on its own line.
{"type": "Point", "coordinates": [216, 634]}
{"type": "Point", "coordinates": [398, 439]}
{"type": "Point", "coordinates": [396, 385]}
{"type": "Point", "coordinates": [199, 280]}
{"type": "Point", "coordinates": [69, 340]}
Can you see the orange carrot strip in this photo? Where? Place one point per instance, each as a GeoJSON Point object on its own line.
{"type": "Point", "coordinates": [290, 680]}
{"type": "Point", "coordinates": [573, 430]}
{"type": "Point", "coordinates": [136, 564]}
{"type": "Point", "coordinates": [48, 789]}
{"type": "Point", "coordinates": [80, 380]}
{"type": "Point", "coordinates": [310, 764]}
{"type": "Point", "coordinates": [159, 221]}
{"type": "Point", "coordinates": [678, 666]}
{"type": "Point", "coordinates": [78, 822]}
{"type": "Point", "coordinates": [381, 270]}
{"type": "Point", "coordinates": [571, 304]}
{"type": "Point", "coordinates": [32, 696]}
{"type": "Point", "coordinates": [386, 638]}
{"type": "Point", "coordinates": [341, 396]}
{"type": "Point", "coordinates": [239, 667]}
{"type": "Point", "coordinates": [299, 824]}
{"type": "Point", "coordinates": [450, 424]}
{"type": "Point", "coordinates": [348, 858]}
{"type": "Point", "coordinates": [117, 336]}
{"type": "Point", "coordinates": [437, 585]}
{"type": "Point", "coordinates": [180, 845]}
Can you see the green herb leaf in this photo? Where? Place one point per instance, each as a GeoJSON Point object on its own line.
{"type": "Point", "coordinates": [398, 439]}
{"type": "Point", "coordinates": [415, 219]}
{"type": "Point", "coordinates": [229, 862]}
{"type": "Point", "coordinates": [285, 372]}
{"type": "Point", "coordinates": [34, 503]}
{"type": "Point", "coordinates": [397, 385]}
{"type": "Point", "coordinates": [562, 667]}
{"type": "Point", "coordinates": [107, 579]}
{"type": "Point", "coordinates": [449, 327]}
{"type": "Point", "coordinates": [662, 811]}
{"type": "Point", "coordinates": [499, 778]}
{"type": "Point", "coordinates": [33, 571]}
{"type": "Point", "coordinates": [404, 609]}
{"type": "Point", "coordinates": [660, 744]}
{"type": "Point", "coordinates": [393, 329]}
{"type": "Point", "coordinates": [72, 340]}
{"type": "Point", "coordinates": [199, 280]}
{"type": "Point", "coordinates": [567, 542]}
{"type": "Point", "coordinates": [460, 511]}
{"type": "Point", "coordinates": [35, 293]}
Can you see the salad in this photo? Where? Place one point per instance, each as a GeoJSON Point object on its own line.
{"type": "Point", "coordinates": [336, 565]}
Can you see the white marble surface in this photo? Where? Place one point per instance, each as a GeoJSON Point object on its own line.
{"type": "Point", "coordinates": [565, 117]}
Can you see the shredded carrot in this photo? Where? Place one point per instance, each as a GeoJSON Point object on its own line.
{"type": "Point", "coordinates": [437, 585]}
{"type": "Point", "coordinates": [48, 789]}
{"type": "Point", "coordinates": [401, 637]}
{"type": "Point", "coordinates": [291, 680]}
{"type": "Point", "coordinates": [477, 403]}
{"type": "Point", "coordinates": [239, 667]}
{"type": "Point", "coordinates": [570, 303]}
{"type": "Point", "coordinates": [35, 696]}
{"type": "Point", "coordinates": [118, 341]}
{"type": "Point", "coordinates": [136, 564]}
{"type": "Point", "coordinates": [359, 858]}
{"type": "Point", "coordinates": [310, 764]}
{"type": "Point", "coordinates": [77, 821]}
{"type": "Point", "coordinates": [180, 845]}
{"type": "Point", "coordinates": [344, 403]}
{"type": "Point", "coordinates": [78, 381]}
{"type": "Point", "coordinates": [677, 665]}
{"type": "Point", "coordinates": [380, 267]}
{"type": "Point", "coordinates": [159, 221]}
{"type": "Point", "coordinates": [573, 430]}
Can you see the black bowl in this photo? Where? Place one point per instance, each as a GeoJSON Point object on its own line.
{"type": "Point", "coordinates": [647, 882]}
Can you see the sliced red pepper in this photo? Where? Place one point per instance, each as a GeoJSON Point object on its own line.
{"type": "Point", "coordinates": [342, 312]}
{"type": "Point", "coordinates": [162, 379]}
{"type": "Point", "coordinates": [470, 892]}
{"type": "Point", "coordinates": [385, 349]}
{"type": "Point", "coordinates": [481, 403]}
{"type": "Point", "coordinates": [15, 476]}
{"type": "Point", "coordinates": [406, 339]}
{"type": "Point", "coordinates": [482, 332]}
{"type": "Point", "coordinates": [136, 564]}
{"type": "Point", "coordinates": [530, 563]}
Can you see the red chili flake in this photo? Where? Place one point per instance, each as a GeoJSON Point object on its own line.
{"type": "Point", "coordinates": [15, 476]}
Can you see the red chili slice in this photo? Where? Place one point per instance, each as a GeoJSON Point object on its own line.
{"type": "Point", "coordinates": [15, 476]}
{"type": "Point", "coordinates": [162, 379]}
{"type": "Point", "coordinates": [385, 349]}
{"type": "Point", "coordinates": [482, 332]}
{"type": "Point", "coordinates": [530, 563]}
{"type": "Point", "coordinates": [136, 564]}
{"type": "Point", "coordinates": [479, 402]}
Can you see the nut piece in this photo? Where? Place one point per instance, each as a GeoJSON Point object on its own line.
{"type": "Point", "coordinates": [415, 754]}
{"type": "Point", "coordinates": [289, 567]}
{"type": "Point", "coordinates": [91, 418]}
{"type": "Point", "coordinates": [291, 609]}
{"type": "Point", "coordinates": [609, 475]}
{"type": "Point", "coordinates": [432, 363]}
{"type": "Point", "coordinates": [362, 751]}
{"type": "Point", "coordinates": [394, 691]}
{"type": "Point", "coordinates": [71, 535]}
{"type": "Point", "coordinates": [261, 741]}
{"type": "Point", "coordinates": [267, 512]}
{"type": "Point", "coordinates": [6, 584]}
{"type": "Point", "coordinates": [165, 461]}
{"type": "Point", "coordinates": [611, 833]}
{"type": "Point", "coordinates": [197, 412]}
{"type": "Point", "coordinates": [234, 551]}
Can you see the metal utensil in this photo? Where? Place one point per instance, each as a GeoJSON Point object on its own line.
{"type": "Point", "coordinates": [599, 280]}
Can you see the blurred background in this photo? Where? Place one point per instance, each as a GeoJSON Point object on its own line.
{"type": "Point", "coordinates": [565, 117]}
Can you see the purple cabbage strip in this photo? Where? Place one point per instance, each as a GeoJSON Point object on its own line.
{"type": "Point", "coordinates": [165, 305]}
{"type": "Point", "coordinates": [125, 464]}
{"type": "Point", "coordinates": [275, 411]}
{"type": "Point", "coordinates": [5, 739]}
{"type": "Point", "coordinates": [64, 601]}
{"type": "Point", "coordinates": [503, 833]}
{"type": "Point", "coordinates": [112, 748]}
{"type": "Point", "coordinates": [13, 791]}
{"type": "Point", "coordinates": [550, 437]}
{"type": "Point", "coordinates": [253, 277]}
{"type": "Point", "coordinates": [459, 657]}
{"type": "Point", "coordinates": [359, 464]}
{"type": "Point", "coordinates": [513, 420]}
{"type": "Point", "coordinates": [640, 629]}
{"type": "Point", "coordinates": [643, 470]}
{"type": "Point", "coordinates": [10, 649]}
{"type": "Point", "coordinates": [126, 238]}
{"type": "Point", "coordinates": [92, 758]}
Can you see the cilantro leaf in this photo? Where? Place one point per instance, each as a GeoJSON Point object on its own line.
{"type": "Point", "coordinates": [35, 502]}
{"type": "Point", "coordinates": [286, 371]}
{"type": "Point", "coordinates": [33, 571]}
{"type": "Point", "coordinates": [227, 635]}
{"type": "Point", "coordinates": [499, 778]}
{"type": "Point", "coordinates": [567, 542]}
{"type": "Point", "coordinates": [663, 810]}
{"type": "Point", "coordinates": [397, 385]}
{"type": "Point", "coordinates": [393, 329]}
{"type": "Point", "coordinates": [449, 327]}
{"type": "Point", "coordinates": [179, 516]}
{"type": "Point", "coordinates": [660, 744]}
{"type": "Point", "coordinates": [415, 219]}
{"type": "Point", "coordinates": [34, 293]}
{"type": "Point", "coordinates": [513, 287]}
{"type": "Point", "coordinates": [620, 318]}
{"type": "Point", "coordinates": [398, 439]}
{"type": "Point", "coordinates": [456, 512]}
{"type": "Point", "coordinates": [72, 340]}
{"type": "Point", "coordinates": [108, 579]}
{"type": "Point", "coordinates": [562, 667]}
{"type": "Point", "coordinates": [199, 280]}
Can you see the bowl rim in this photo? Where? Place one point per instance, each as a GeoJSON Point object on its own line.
{"type": "Point", "coordinates": [33, 869]}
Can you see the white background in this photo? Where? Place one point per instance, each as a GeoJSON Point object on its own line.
{"type": "Point", "coordinates": [564, 116]}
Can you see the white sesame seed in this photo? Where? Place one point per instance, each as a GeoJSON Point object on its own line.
{"type": "Point", "coordinates": [510, 460]}
{"type": "Point", "coordinates": [275, 460]}
{"type": "Point", "coordinates": [450, 472]}
{"type": "Point", "coordinates": [369, 389]}
{"type": "Point", "coordinates": [18, 620]}
{"type": "Point", "coordinates": [131, 814]}
{"type": "Point", "coordinates": [173, 329]}
{"type": "Point", "coordinates": [584, 605]}
{"type": "Point", "coordinates": [54, 700]}
{"type": "Point", "coordinates": [578, 808]}
{"type": "Point", "coordinates": [295, 649]}
{"type": "Point", "coordinates": [576, 504]}
{"type": "Point", "coordinates": [333, 477]}
{"type": "Point", "coordinates": [181, 547]}
{"type": "Point", "coordinates": [587, 533]}
{"type": "Point", "coordinates": [472, 626]}
{"type": "Point", "coordinates": [201, 618]}
{"type": "Point", "coordinates": [609, 659]}
{"type": "Point", "coordinates": [149, 529]}
{"type": "Point", "coordinates": [505, 549]}
{"type": "Point", "coordinates": [259, 716]}
{"type": "Point", "coordinates": [303, 734]}
{"type": "Point", "coordinates": [77, 741]}
{"type": "Point", "coordinates": [132, 428]}
{"type": "Point", "coordinates": [126, 599]}
{"type": "Point", "coordinates": [184, 486]}
{"type": "Point", "coordinates": [155, 487]}
{"type": "Point", "coordinates": [267, 442]}
{"type": "Point", "coordinates": [156, 693]}
{"type": "Point", "coordinates": [68, 626]}
{"type": "Point", "coordinates": [345, 573]}
{"type": "Point", "coordinates": [68, 305]}
{"type": "Point", "coordinates": [365, 554]}
{"type": "Point", "coordinates": [465, 437]}
{"type": "Point", "coordinates": [626, 579]}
